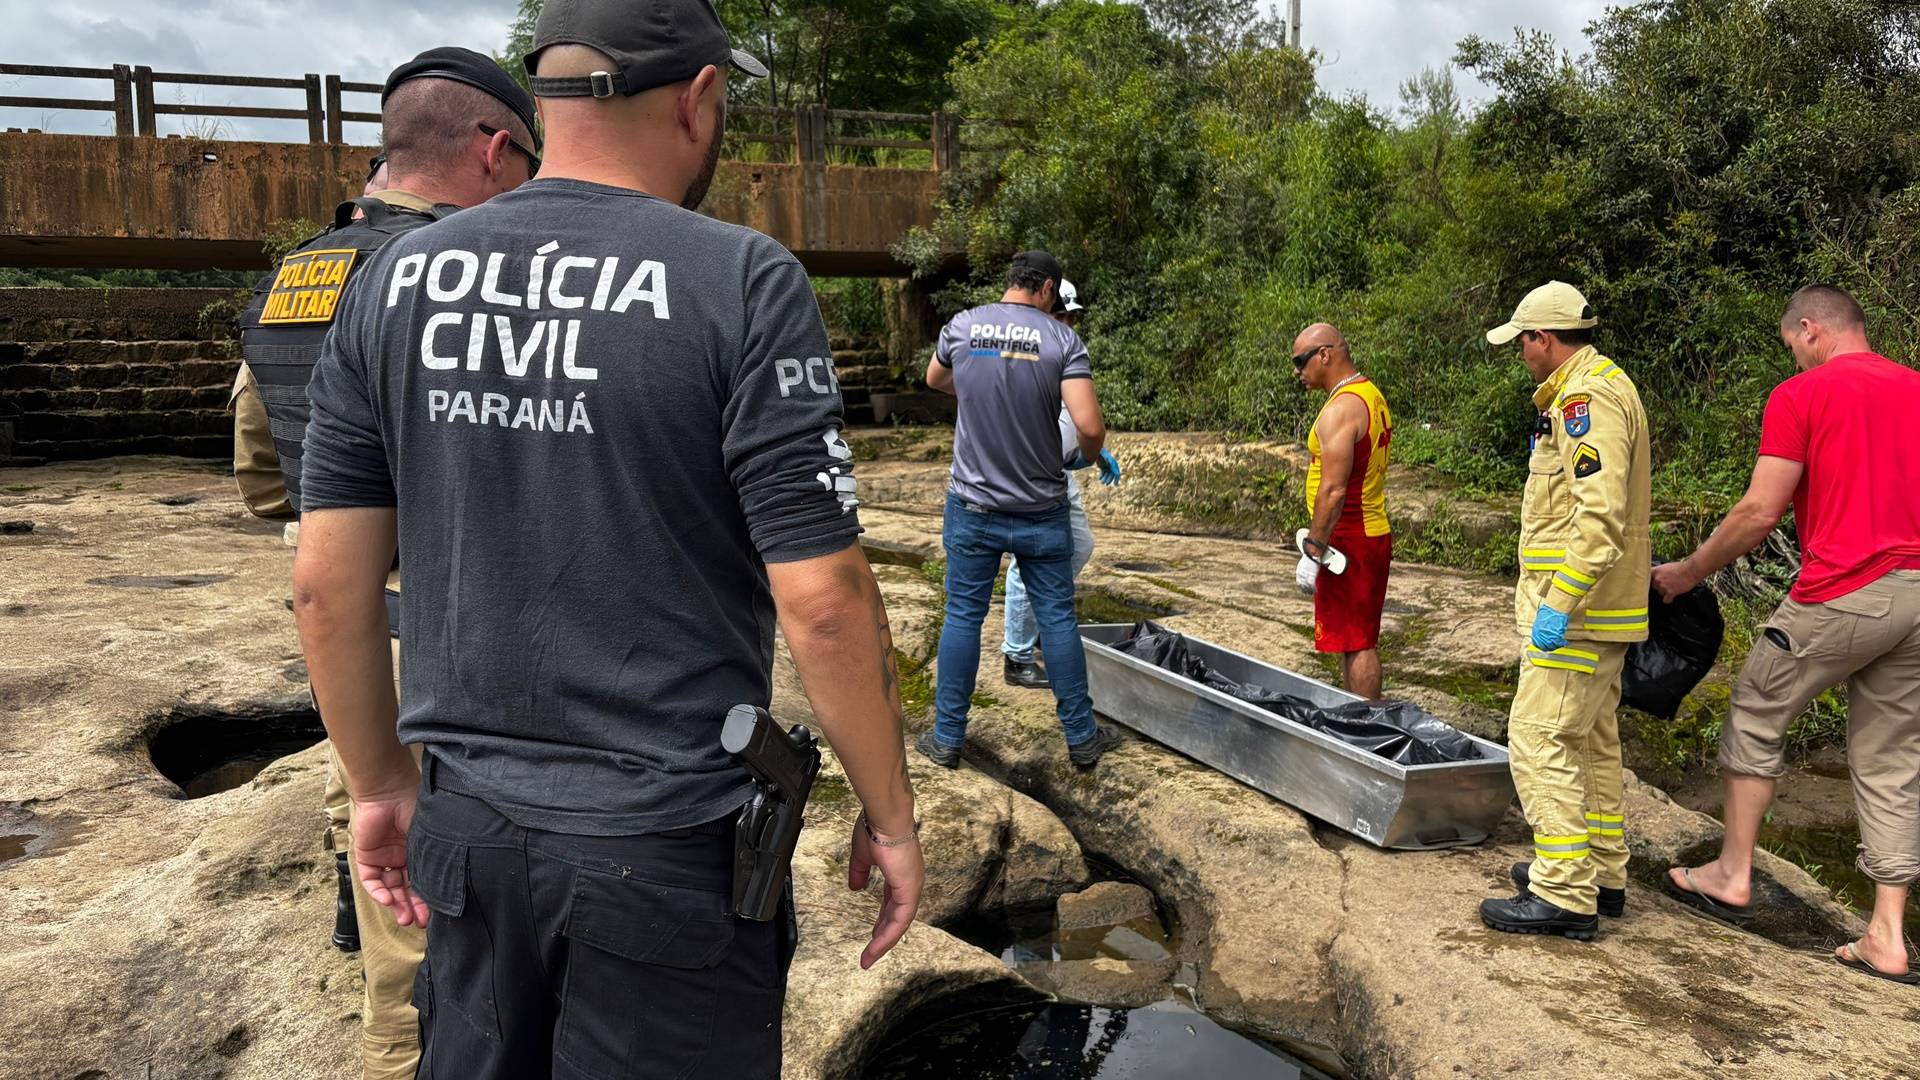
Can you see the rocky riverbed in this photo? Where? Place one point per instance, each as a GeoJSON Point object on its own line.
{"type": "Point", "coordinates": [156, 935]}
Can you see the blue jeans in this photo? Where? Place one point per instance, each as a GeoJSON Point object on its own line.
{"type": "Point", "coordinates": [1022, 630]}
{"type": "Point", "coordinates": [975, 538]}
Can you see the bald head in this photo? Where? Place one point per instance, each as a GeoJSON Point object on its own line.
{"type": "Point", "coordinates": [664, 141]}
{"type": "Point", "coordinates": [1828, 305]}
{"type": "Point", "coordinates": [1822, 322]}
{"type": "Point", "coordinates": [1326, 355]}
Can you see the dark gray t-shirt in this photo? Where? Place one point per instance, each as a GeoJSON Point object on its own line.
{"type": "Point", "coordinates": [1008, 362]}
{"type": "Point", "coordinates": [598, 415]}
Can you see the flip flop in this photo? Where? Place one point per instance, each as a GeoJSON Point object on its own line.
{"type": "Point", "coordinates": [1719, 910]}
{"type": "Point", "coordinates": [1854, 961]}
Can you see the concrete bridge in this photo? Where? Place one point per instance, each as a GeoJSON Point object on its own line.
{"type": "Point", "coordinates": [136, 199]}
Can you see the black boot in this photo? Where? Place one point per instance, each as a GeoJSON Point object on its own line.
{"type": "Point", "coordinates": [1528, 914]}
{"type": "Point", "coordinates": [1087, 754]}
{"type": "Point", "coordinates": [947, 757]}
{"type": "Point", "coordinates": [346, 931]}
{"type": "Point", "coordinates": [1027, 676]}
{"type": "Point", "coordinates": [1613, 902]}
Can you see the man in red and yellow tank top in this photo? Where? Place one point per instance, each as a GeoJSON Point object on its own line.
{"type": "Point", "coordinates": [1347, 498]}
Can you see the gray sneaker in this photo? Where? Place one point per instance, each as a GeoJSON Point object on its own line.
{"type": "Point", "coordinates": [1087, 754]}
{"type": "Point", "coordinates": [947, 757]}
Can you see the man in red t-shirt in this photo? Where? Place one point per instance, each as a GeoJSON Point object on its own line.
{"type": "Point", "coordinates": [1838, 440]}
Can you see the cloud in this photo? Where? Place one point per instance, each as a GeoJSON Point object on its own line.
{"type": "Point", "coordinates": [1372, 46]}
{"type": "Point", "coordinates": [359, 40]}
{"type": "Point", "coordinates": [1368, 46]}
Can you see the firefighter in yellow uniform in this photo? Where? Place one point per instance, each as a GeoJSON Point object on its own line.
{"type": "Point", "coordinates": [1582, 600]}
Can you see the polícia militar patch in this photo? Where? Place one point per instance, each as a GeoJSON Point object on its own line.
{"type": "Point", "coordinates": [1586, 460]}
{"type": "Point", "coordinates": [307, 287]}
{"type": "Point", "coordinates": [1573, 410]}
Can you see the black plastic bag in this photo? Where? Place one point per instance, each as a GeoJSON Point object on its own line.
{"type": "Point", "coordinates": [1163, 648]}
{"type": "Point", "coordinates": [1396, 730]}
{"type": "Point", "coordinates": [1683, 640]}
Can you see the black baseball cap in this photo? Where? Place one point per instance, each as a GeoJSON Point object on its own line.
{"type": "Point", "coordinates": [651, 43]}
{"type": "Point", "coordinates": [1041, 261]}
{"type": "Point", "coordinates": [472, 68]}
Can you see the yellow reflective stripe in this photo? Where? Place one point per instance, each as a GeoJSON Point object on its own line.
{"type": "Point", "coordinates": [1606, 825]}
{"type": "Point", "coordinates": [1606, 371]}
{"type": "Point", "coordinates": [1624, 619]}
{"type": "Point", "coordinates": [1560, 582]}
{"type": "Point", "coordinates": [1561, 847]}
{"type": "Point", "coordinates": [1542, 558]}
{"type": "Point", "coordinates": [1606, 612]}
{"type": "Point", "coordinates": [1578, 577]}
{"type": "Point", "coordinates": [1565, 660]}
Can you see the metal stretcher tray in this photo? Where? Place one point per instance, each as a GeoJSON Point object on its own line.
{"type": "Point", "coordinates": [1391, 805]}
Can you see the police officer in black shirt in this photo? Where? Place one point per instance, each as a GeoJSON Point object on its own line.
{"type": "Point", "coordinates": [605, 433]}
{"type": "Point", "coordinates": [457, 130]}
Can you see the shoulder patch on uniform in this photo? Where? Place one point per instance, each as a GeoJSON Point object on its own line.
{"type": "Point", "coordinates": [1586, 460]}
{"type": "Point", "coordinates": [307, 287]}
{"type": "Point", "coordinates": [1573, 410]}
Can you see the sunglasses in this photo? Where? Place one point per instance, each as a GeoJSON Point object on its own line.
{"type": "Point", "coordinates": [373, 165]}
{"type": "Point", "coordinates": [1300, 361]}
{"type": "Point", "coordinates": [533, 159]}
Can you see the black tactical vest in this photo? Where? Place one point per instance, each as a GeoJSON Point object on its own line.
{"type": "Point", "coordinates": [293, 307]}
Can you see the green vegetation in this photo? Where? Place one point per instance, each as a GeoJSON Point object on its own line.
{"type": "Point", "coordinates": [888, 55]}
{"type": "Point", "coordinates": [54, 278]}
{"type": "Point", "coordinates": [855, 307]}
{"type": "Point", "coordinates": [1705, 158]}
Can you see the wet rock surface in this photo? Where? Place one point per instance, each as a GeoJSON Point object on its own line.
{"type": "Point", "coordinates": [1313, 938]}
{"type": "Point", "coordinates": [182, 939]}
{"type": "Point", "coordinates": [1104, 903]}
{"type": "Point", "coordinates": [191, 935]}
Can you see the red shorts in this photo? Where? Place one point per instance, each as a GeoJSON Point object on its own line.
{"type": "Point", "coordinates": [1347, 606]}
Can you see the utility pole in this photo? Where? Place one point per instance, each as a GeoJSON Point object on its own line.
{"type": "Point", "coordinates": [1293, 21]}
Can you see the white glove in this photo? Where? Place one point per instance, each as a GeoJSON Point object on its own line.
{"type": "Point", "coordinates": [1305, 574]}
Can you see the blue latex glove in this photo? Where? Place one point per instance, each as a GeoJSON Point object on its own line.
{"type": "Point", "coordinates": [1549, 629]}
{"type": "Point", "coordinates": [1109, 468]}
{"type": "Point", "coordinates": [1077, 462]}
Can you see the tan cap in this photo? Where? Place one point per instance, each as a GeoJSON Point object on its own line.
{"type": "Point", "coordinates": [1553, 306]}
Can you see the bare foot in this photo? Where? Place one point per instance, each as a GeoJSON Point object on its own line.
{"type": "Point", "coordinates": [1717, 883]}
{"type": "Point", "coordinates": [1886, 957]}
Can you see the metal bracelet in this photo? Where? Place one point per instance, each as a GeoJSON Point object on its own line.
{"type": "Point", "coordinates": [874, 837]}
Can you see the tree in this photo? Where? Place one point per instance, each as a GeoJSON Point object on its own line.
{"type": "Point", "coordinates": [888, 55]}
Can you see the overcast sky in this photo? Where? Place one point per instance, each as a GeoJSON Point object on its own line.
{"type": "Point", "coordinates": [1368, 45]}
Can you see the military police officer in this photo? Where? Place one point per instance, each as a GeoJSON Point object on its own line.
{"type": "Point", "coordinates": [1581, 599]}
{"type": "Point", "coordinates": [457, 130]}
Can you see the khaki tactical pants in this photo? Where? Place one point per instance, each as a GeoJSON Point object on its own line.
{"type": "Point", "coordinates": [256, 465]}
{"type": "Point", "coordinates": [389, 953]}
{"type": "Point", "coordinates": [1563, 739]}
{"type": "Point", "coordinates": [1868, 639]}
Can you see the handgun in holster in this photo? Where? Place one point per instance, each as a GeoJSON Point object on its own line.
{"type": "Point", "coordinates": [783, 764]}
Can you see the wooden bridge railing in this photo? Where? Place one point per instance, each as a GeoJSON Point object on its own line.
{"type": "Point", "coordinates": [809, 134]}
